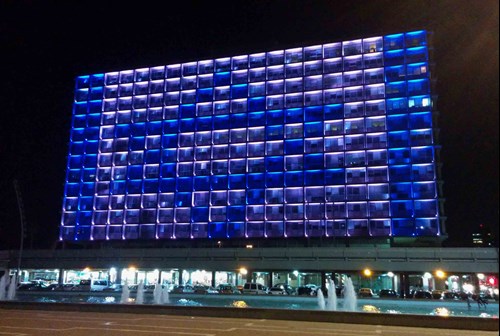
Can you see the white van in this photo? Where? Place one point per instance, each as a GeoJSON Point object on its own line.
{"type": "Point", "coordinates": [98, 284]}
{"type": "Point", "coordinates": [365, 292]}
{"type": "Point", "coordinates": [254, 288]}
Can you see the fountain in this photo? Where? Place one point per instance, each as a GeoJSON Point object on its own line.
{"type": "Point", "coordinates": [321, 299]}
{"type": "Point", "coordinates": [165, 295]}
{"type": "Point", "coordinates": [350, 299]}
{"type": "Point", "coordinates": [125, 294]}
{"type": "Point", "coordinates": [332, 296]}
{"type": "Point", "coordinates": [3, 286]}
{"type": "Point", "coordinates": [157, 294]}
{"type": "Point", "coordinates": [11, 292]}
{"type": "Point", "coordinates": [139, 299]}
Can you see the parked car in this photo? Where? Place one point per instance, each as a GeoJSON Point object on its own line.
{"type": "Point", "coordinates": [84, 285]}
{"type": "Point", "coordinates": [308, 290]}
{"type": "Point", "coordinates": [254, 288]}
{"type": "Point", "coordinates": [277, 290]}
{"type": "Point", "coordinates": [67, 287]}
{"type": "Point", "coordinates": [113, 288]}
{"type": "Point", "coordinates": [450, 295]}
{"type": "Point", "coordinates": [212, 290]}
{"type": "Point", "coordinates": [182, 289]}
{"type": "Point", "coordinates": [202, 289]}
{"type": "Point", "coordinates": [282, 289]}
{"type": "Point", "coordinates": [422, 294]}
{"type": "Point", "coordinates": [53, 287]}
{"type": "Point", "coordinates": [365, 292]}
{"type": "Point", "coordinates": [58, 287]}
{"type": "Point", "coordinates": [227, 289]}
{"type": "Point", "coordinates": [437, 294]}
{"type": "Point", "coordinates": [97, 285]}
{"type": "Point", "coordinates": [387, 293]}
{"type": "Point", "coordinates": [149, 288]}
{"type": "Point", "coordinates": [25, 286]}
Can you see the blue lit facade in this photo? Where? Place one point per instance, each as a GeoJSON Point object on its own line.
{"type": "Point", "coordinates": [332, 140]}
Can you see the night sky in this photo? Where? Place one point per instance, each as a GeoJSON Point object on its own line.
{"type": "Point", "coordinates": [45, 45]}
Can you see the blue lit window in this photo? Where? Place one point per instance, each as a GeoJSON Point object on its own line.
{"type": "Point", "coordinates": [255, 229]}
{"type": "Point", "coordinates": [333, 65]}
{"type": "Point", "coordinates": [392, 42]}
{"type": "Point", "coordinates": [293, 55]}
{"type": "Point", "coordinates": [205, 67]}
{"type": "Point", "coordinates": [313, 68]}
{"type": "Point", "coordinates": [294, 211]}
{"type": "Point", "coordinates": [274, 229]}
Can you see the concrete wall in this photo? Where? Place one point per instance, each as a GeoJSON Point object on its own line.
{"type": "Point", "coordinates": [456, 260]}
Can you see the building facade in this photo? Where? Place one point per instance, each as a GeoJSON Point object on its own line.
{"type": "Point", "coordinates": [330, 141]}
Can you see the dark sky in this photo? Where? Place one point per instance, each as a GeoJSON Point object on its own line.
{"type": "Point", "coordinates": [46, 44]}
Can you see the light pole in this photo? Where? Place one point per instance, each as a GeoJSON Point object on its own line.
{"type": "Point", "coordinates": [22, 220]}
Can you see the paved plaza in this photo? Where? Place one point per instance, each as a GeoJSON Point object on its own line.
{"type": "Point", "coordinates": [41, 323]}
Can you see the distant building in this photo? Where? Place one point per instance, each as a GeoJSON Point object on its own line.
{"type": "Point", "coordinates": [333, 141]}
{"type": "Point", "coordinates": [482, 237]}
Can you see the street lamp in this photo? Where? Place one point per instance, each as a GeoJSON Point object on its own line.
{"type": "Point", "coordinates": [22, 219]}
{"type": "Point", "coordinates": [440, 274]}
{"type": "Point", "coordinates": [368, 273]}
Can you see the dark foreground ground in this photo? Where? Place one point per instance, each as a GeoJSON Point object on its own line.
{"type": "Point", "coordinates": [34, 321]}
{"type": "Point", "coordinates": [19, 322]}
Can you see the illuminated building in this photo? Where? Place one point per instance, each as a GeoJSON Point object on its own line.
{"type": "Point", "coordinates": [332, 140]}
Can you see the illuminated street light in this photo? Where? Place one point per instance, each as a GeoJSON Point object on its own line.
{"type": "Point", "coordinates": [440, 274]}
{"type": "Point", "coordinates": [367, 272]}
{"type": "Point", "coordinates": [243, 271]}
{"type": "Point", "coordinates": [390, 274]}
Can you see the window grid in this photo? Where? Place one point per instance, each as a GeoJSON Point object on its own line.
{"type": "Point", "coordinates": [326, 140]}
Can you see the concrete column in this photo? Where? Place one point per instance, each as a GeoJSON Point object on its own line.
{"type": "Point", "coordinates": [323, 282]}
{"type": "Point", "coordinates": [176, 277]}
{"type": "Point", "coordinates": [180, 280]}
{"type": "Point", "coordinates": [60, 277]}
{"type": "Point", "coordinates": [158, 281]}
{"type": "Point", "coordinates": [119, 275]}
{"type": "Point", "coordinates": [460, 282]}
{"type": "Point", "coordinates": [213, 278]}
{"type": "Point", "coordinates": [404, 288]}
{"type": "Point", "coordinates": [475, 282]}
{"type": "Point", "coordinates": [250, 276]}
{"type": "Point", "coordinates": [234, 278]}
{"type": "Point", "coordinates": [270, 278]}
{"type": "Point", "coordinates": [395, 282]}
